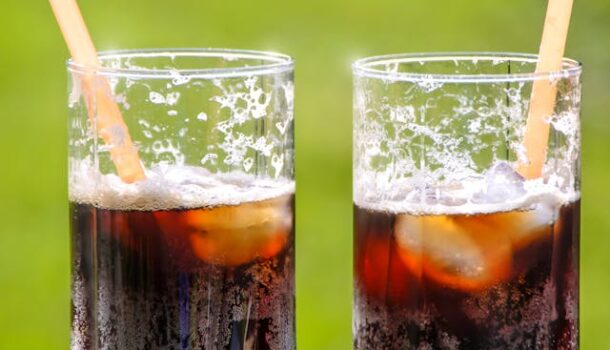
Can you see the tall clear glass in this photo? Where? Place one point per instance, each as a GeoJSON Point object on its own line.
{"type": "Point", "coordinates": [453, 248]}
{"type": "Point", "coordinates": [199, 254]}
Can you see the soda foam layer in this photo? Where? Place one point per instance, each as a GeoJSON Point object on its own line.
{"type": "Point", "coordinates": [499, 189]}
{"type": "Point", "coordinates": [170, 187]}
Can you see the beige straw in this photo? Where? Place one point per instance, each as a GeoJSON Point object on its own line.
{"type": "Point", "coordinates": [109, 123]}
{"type": "Point", "coordinates": [544, 92]}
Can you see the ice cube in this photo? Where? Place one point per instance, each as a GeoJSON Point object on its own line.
{"type": "Point", "coordinates": [457, 251]}
{"type": "Point", "coordinates": [471, 252]}
{"type": "Point", "coordinates": [232, 235]}
{"type": "Point", "coordinates": [503, 183]}
{"type": "Point", "coordinates": [534, 224]}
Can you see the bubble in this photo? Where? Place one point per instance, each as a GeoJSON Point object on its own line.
{"type": "Point", "coordinates": [172, 98]}
{"type": "Point", "coordinates": [179, 79]}
{"type": "Point", "coordinates": [202, 116]}
{"type": "Point", "coordinates": [209, 158]}
{"type": "Point", "coordinates": [156, 97]}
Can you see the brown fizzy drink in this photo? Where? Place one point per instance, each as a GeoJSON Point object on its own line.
{"type": "Point", "coordinates": [214, 277]}
{"type": "Point", "coordinates": [488, 280]}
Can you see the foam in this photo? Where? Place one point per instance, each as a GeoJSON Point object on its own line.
{"type": "Point", "coordinates": [170, 187]}
{"type": "Point", "coordinates": [465, 200]}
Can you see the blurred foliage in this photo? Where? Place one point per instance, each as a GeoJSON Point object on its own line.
{"type": "Point", "coordinates": [324, 37]}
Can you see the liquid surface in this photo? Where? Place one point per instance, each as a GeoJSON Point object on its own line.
{"type": "Point", "coordinates": [499, 189]}
{"type": "Point", "coordinates": [170, 187]}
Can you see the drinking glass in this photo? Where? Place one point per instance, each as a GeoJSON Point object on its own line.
{"type": "Point", "coordinates": [200, 253]}
{"type": "Point", "coordinates": [453, 248]}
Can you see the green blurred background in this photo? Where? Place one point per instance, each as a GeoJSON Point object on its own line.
{"type": "Point", "coordinates": [324, 36]}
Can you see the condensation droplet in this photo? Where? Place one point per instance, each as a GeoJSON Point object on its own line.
{"type": "Point", "coordinates": [156, 98]}
{"type": "Point", "coordinates": [248, 162]}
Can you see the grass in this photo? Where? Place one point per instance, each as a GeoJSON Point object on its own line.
{"type": "Point", "coordinates": [324, 37]}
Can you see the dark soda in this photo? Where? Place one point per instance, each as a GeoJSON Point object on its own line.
{"type": "Point", "coordinates": [499, 280]}
{"type": "Point", "coordinates": [209, 278]}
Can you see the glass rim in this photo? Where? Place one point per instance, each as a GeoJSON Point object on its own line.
{"type": "Point", "coordinates": [273, 63]}
{"type": "Point", "coordinates": [365, 67]}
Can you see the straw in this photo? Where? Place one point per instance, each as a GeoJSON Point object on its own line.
{"type": "Point", "coordinates": [544, 92]}
{"type": "Point", "coordinates": [98, 93]}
